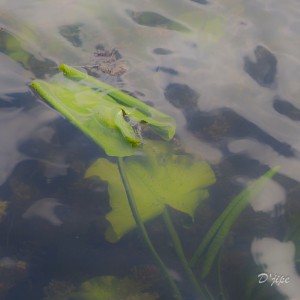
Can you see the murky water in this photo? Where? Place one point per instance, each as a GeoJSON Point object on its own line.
{"type": "Point", "coordinates": [226, 70]}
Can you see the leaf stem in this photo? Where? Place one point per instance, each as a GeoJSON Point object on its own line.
{"type": "Point", "coordinates": [140, 224]}
{"type": "Point", "coordinates": [219, 278]}
{"type": "Point", "coordinates": [180, 254]}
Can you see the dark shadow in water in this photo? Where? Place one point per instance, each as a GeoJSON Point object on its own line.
{"type": "Point", "coordinates": [75, 250]}
{"type": "Point", "coordinates": [220, 125]}
{"type": "Point", "coordinates": [162, 51]}
{"type": "Point", "coordinates": [71, 33]}
{"type": "Point", "coordinates": [264, 69]}
{"type": "Point", "coordinates": [152, 19]}
{"type": "Point", "coordinates": [287, 109]}
{"type": "Point", "coordinates": [18, 100]}
{"type": "Point", "coordinates": [182, 97]}
{"type": "Point", "coordinates": [68, 139]}
{"type": "Point", "coordinates": [224, 124]}
{"type": "Point", "coordinates": [12, 47]}
{"type": "Point", "coordinates": [200, 1]}
{"type": "Point", "coordinates": [166, 70]}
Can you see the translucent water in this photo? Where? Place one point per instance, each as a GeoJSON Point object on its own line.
{"type": "Point", "coordinates": [226, 70]}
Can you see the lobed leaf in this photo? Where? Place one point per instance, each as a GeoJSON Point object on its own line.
{"type": "Point", "coordinates": [158, 178]}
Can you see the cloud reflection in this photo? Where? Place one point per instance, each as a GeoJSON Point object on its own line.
{"type": "Point", "coordinates": [277, 258]}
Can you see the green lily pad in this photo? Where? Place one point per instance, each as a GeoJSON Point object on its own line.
{"type": "Point", "coordinates": [157, 178]}
{"type": "Point", "coordinates": [102, 112]}
{"type": "Point", "coordinates": [112, 288]}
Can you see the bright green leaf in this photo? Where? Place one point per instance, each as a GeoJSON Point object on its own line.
{"type": "Point", "coordinates": [102, 112]}
{"type": "Point", "coordinates": [157, 178]}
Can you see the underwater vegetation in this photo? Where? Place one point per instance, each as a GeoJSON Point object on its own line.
{"type": "Point", "coordinates": [155, 183]}
{"type": "Point", "coordinates": [77, 213]}
{"type": "Point", "coordinates": [13, 47]}
{"type": "Point", "coordinates": [147, 176]}
{"type": "Point", "coordinates": [137, 285]}
{"type": "Point", "coordinates": [110, 287]}
{"type": "Point", "coordinates": [103, 287]}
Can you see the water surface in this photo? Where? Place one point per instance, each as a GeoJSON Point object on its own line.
{"type": "Point", "coordinates": [226, 70]}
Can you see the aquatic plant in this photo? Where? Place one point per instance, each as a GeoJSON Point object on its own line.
{"type": "Point", "coordinates": [112, 288]}
{"type": "Point", "coordinates": [142, 186]}
{"type": "Point", "coordinates": [108, 116]}
{"type": "Point", "coordinates": [13, 47]}
{"type": "Point", "coordinates": [217, 233]}
{"type": "Point", "coordinates": [158, 179]}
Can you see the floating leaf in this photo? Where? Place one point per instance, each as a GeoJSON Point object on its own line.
{"type": "Point", "coordinates": [102, 112]}
{"type": "Point", "coordinates": [215, 237]}
{"type": "Point", "coordinates": [158, 178]}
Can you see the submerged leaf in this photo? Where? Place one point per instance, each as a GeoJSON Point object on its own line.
{"type": "Point", "coordinates": [158, 178]}
{"type": "Point", "coordinates": [111, 288]}
{"type": "Point", "coordinates": [101, 111]}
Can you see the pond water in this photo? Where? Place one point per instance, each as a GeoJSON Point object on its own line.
{"type": "Point", "coordinates": [226, 71]}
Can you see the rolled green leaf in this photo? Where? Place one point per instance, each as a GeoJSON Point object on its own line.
{"type": "Point", "coordinates": [101, 111]}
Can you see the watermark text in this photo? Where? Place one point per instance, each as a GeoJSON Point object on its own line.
{"type": "Point", "coordinates": [273, 279]}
